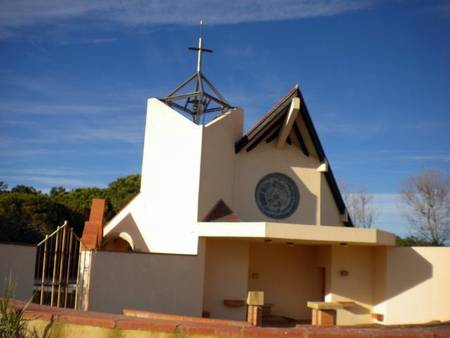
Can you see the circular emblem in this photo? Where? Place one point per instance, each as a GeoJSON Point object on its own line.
{"type": "Point", "coordinates": [277, 196]}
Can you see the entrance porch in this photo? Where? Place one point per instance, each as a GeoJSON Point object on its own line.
{"type": "Point", "coordinates": [289, 274]}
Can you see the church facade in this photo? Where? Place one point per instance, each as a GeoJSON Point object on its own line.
{"type": "Point", "coordinates": [256, 207]}
{"type": "Point", "coordinates": [258, 211]}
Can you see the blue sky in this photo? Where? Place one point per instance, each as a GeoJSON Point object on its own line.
{"type": "Point", "coordinates": [75, 76]}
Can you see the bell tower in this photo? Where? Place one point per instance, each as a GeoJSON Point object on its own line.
{"type": "Point", "coordinates": [197, 96]}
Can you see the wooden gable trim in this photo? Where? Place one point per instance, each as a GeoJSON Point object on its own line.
{"type": "Point", "coordinates": [266, 121]}
{"type": "Point", "coordinates": [275, 127]}
{"type": "Point", "coordinates": [322, 157]}
{"type": "Point", "coordinates": [300, 140]}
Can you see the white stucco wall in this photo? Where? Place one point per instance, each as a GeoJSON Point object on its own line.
{"type": "Point", "coordinates": [153, 282]}
{"type": "Point", "coordinates": [166, 210]}
{"type": "Point", "coordinates": [226, 277]}
{"type": "Point", "coordinates": [18, 261]}
{"type": "Point", "coordinates": [217, 164]}
{"type": "Point", "coordinates": [357, 286]}
{"type": "Point", "coordinates": [416, 286]}
{"type": "Point", "coordinates": [289, 277]}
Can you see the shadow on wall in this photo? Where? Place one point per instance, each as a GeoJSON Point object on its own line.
{"type": "Point", "coordinates": [17, 264]}
{"type": "Point", "coordinates": [128, 226]}
{"type": "Point", "coordinates": [375, 275]}
{"type": "Point", "coordinates": [164, 283]}
{"type": "Point", "coordinates": [307, 207]}
{"type": "Point", "coordinates": [404, 268]}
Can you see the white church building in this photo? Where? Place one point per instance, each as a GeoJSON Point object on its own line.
{"type": "Point", "coordinates": [260, 210]}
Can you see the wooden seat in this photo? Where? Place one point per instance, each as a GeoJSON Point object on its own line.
{"type": "Point", "coordinates": [324, 313]}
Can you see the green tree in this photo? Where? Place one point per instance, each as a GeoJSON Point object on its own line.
{"type": "Point", "coordinates": [24, 189]}
{"type": "Point", "coordinates": [78, 201]}
{"type": "Point", "coordinates": [412, 241]}
{"type": "Point", "coordinates": [121, 191]}
{"type": "Point", "coordinates": [27, 214]}
{"type": "Point", "coordinates": [27, 217]}
{"type": "Point", "coordinates": [56, 191]}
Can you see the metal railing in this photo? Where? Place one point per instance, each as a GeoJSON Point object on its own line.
{"type": "Point", "coordinates": [57, 274]}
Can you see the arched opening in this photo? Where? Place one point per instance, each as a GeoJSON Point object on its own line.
{"type": "Point", "coordinates": [121, 243]}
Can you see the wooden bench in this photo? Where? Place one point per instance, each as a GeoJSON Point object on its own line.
{"type": "Point", "coordinates": [324, 313]}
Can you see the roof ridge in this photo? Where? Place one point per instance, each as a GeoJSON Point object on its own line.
{"type": "Point", "coordinates": [275, 107]}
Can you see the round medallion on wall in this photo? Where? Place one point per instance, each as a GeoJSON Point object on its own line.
{"type": "Point", "coordinates": [277, 196]}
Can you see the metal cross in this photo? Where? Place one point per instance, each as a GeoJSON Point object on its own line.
{"type": "Point", "coordinates": [200, 49]}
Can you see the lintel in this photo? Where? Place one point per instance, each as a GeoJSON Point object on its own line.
{"type": "Point", "coordinates": [296, 233]}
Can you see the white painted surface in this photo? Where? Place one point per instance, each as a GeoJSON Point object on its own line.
{"type": "Point", "coordinates": [226, 277]}
{"type": "Point", "coordinates": [416, 285]}
{"type": "Point", "coordinates": [288, 275]}
{"type": "Point", "coordinates": [217, 166]}
{"type": "Point", "coordinates": [356, 286]}
{"type": "Point", "coordinates": [295, 232]}
{"type": "Point", "coordinates": [165, 212]}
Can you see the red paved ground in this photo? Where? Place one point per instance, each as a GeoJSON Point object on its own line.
{"type": "Point", "coordinates": [202, 326]}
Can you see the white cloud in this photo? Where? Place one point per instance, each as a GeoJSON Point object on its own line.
{"type": "Point", "coordinates": [19, 13]}
{"type": "Point", "coordinates": [28, 107]}
{"type": "Point", "coordinates": [45, 178]}
{"type": "Point", "coordinates": [428, 157]}
{"type": "Point", "coordinates": [358, 129]}
{"type": "Point", "coordinates": [88, 41]}
{"type": "Point", "coordinates": [45, 182]}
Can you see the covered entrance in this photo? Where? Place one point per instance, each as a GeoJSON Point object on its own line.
{"type": "Point", "coordinates": [289, 274]}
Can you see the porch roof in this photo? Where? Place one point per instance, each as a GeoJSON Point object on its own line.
{"type": "Point", "coordinates": [296, 233]}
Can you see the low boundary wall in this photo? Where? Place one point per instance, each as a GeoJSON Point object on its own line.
{"type": "Point", "coordinates": [18, 261]}
{"type": "Point", "coordinates": [72, 323]}
{"type": "Point", "coordinates": [415, 285]}
{"type": "Point", "coordinates": [165, 283]}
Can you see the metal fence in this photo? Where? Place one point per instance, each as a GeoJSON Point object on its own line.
{"type": "Point", "coordinates": [57, 276]}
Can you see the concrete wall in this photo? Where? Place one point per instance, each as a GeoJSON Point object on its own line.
{"type": "Point", "coordinates": [289, 277]}
{"type": "Point", "coordinates": [166, 210]}
{"type": "Point", "coordinates": [154, 282]}
{"type": "Point", "coordinates": [217, 164]}
{"type": "Point", "coordinates": [404, 285]}
{"type": "Point", "coordinates": [18, 262]}
{"type": "Point", "coordinates": [357, 285]}
{"type": "Point", "coordinates": [416, 286]}
{"type": "Point", "coordinates": [226, 277]}
{"type": "Point", "coordinates": [329, 213]}
{"type": "Point", "coordinates": [252, 166]}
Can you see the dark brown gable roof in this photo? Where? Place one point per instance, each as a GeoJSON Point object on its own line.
{"type": "Point", "coordinates": [272, 120]}
{"type": "Point", "coordinates": [221, 213]}
{"type": "Point", "coordinates": [272, 117]}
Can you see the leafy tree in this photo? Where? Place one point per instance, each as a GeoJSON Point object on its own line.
{"type": "Point", "coordinates": [27, 214]}
{"type": "Point", "coordinates": [56, 191]}
{"type": "Point", "coordinates": [24, 189]}
{"type": "Point", "coordinates": [3, 187]}
{"type": "Point", "coordinates": [411, 241]}
{"type": "Point", "coordinates": [121, 191]}
{"type": "Point", "coordinates": [27, 217]}
{"type": "Point", "coordinates": [78, 201]}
